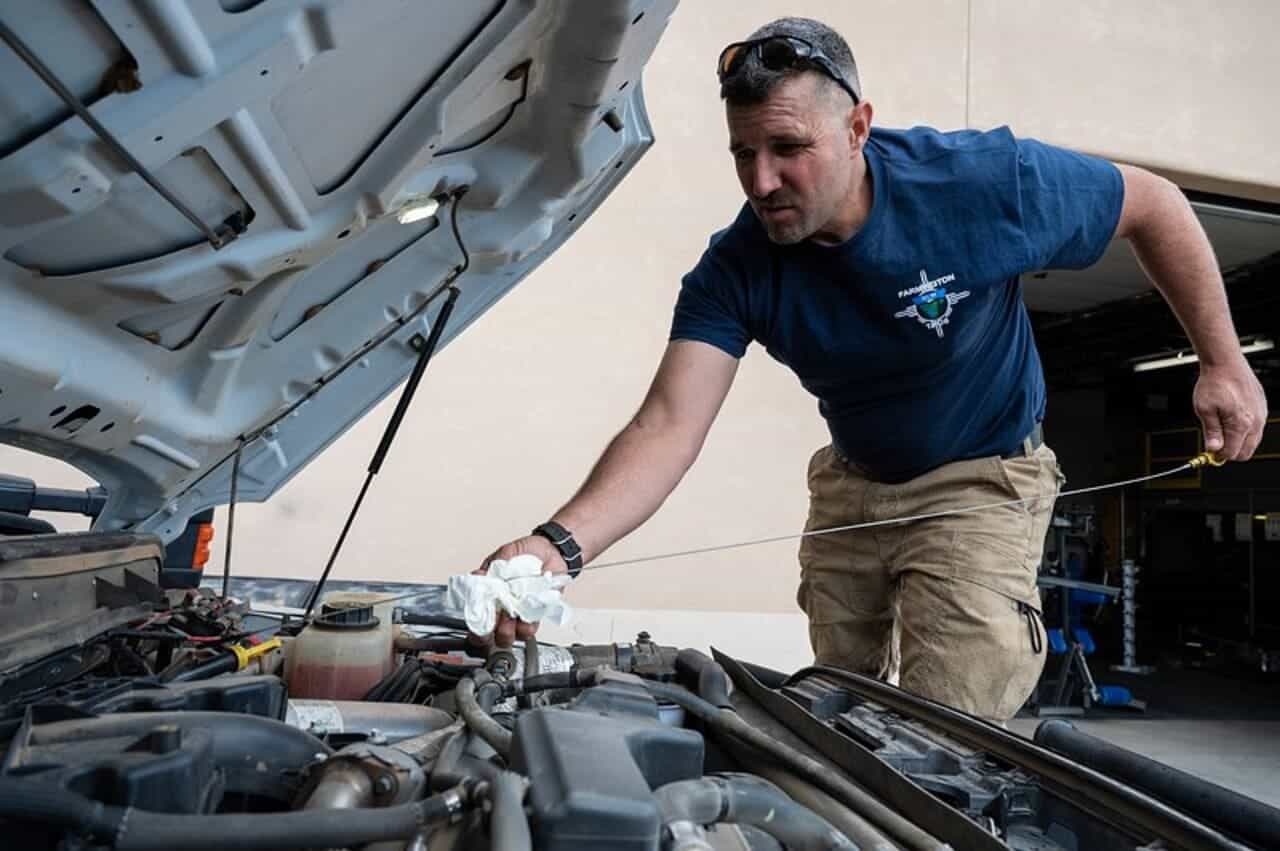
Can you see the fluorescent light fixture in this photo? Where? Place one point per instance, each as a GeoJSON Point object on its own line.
{"type": "Point", "coordinates": [1261, 344]}
{"type": "Point", "coordinates": [417, 210]}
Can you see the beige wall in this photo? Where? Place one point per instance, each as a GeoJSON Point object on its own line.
{"type": "Point", "coordinates": [1183, 86]}
{"type": "Point", "coordinates": [512, 414]}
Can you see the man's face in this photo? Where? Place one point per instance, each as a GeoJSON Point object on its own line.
{"type": "Point", "coordinates": [794, 154]}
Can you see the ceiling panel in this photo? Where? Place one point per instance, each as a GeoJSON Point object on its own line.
{"type": "Point", "coordinates": [1238, 237]}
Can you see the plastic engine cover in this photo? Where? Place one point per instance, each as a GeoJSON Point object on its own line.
{"type": "Point", "coordinates": [593, 768]}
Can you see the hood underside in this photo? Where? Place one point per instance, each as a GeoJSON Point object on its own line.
{"type": "Point", "coordinates": [299, 135]}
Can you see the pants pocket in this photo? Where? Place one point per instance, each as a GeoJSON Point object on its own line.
{"type": "Point", "coordinates": [1003, 561]}
{"type": "Point", "coordinates": [850, 621]}
{"type": "Point", "coordinates": [1036, 478]}
{"type": "Point", "coordinates": [1001, 549]}
{"type": "Point", "coordinates": [969, 647]}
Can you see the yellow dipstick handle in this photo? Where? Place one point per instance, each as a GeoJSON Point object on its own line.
{"type": "Point", "coordinates": [1205, 459]}
{"type": "Point", "coordinates": [245, 655]}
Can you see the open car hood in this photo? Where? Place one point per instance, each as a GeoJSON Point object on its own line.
{"type": "Point", "coordinates": [144, 349]}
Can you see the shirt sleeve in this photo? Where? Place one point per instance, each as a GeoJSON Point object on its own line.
{"type": "Point", "coordinates": [712, 305]}
{"type": "Point", "coordinates": [1070, 204]}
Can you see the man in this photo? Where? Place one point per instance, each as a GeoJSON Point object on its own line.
{"type": "Point", "coordinates": [882, 267]}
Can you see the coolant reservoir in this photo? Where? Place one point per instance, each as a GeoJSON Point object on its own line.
{"type": "Point", "coordinates": [341, 654]}
{"type": "Point", "coordinates": [383, 610]}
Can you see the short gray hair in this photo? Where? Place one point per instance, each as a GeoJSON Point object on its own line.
{"type": "Point", "coordinates": [753, 82]}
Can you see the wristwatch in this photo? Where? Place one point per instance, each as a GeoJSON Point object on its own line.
{"type": "Point", "coordinates": [562, 539]}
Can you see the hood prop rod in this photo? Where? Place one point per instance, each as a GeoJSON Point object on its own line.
{"type": "Point", "coordinates": [27, 55]}
{"type": "Point", "coordinates": [231, 518]}
{"type": "Point", "coordinates": [411, 386]}
{"type": "Point", "coordinates": [389, 435]}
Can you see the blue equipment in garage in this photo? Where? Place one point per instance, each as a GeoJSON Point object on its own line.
{"type": "Point", "coordinates": [1074, 689]}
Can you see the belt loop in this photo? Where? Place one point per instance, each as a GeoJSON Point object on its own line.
{"type": "Point", "coordinates": [1034, 440]}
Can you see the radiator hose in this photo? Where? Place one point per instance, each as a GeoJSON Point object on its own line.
{"type": "Point", "coordinates": [743, 799]}
{"type": "Point", "coordinates": [727, 722]}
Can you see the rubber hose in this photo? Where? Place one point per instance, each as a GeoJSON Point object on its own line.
{"type": "Point", "coordinates": [755, 801]}
{"type": "Point", "coordinates": [842, 818]}
{"type": "Point", "coordinates": [379, 691]}
{"type": "Point", "coordinates": [131, 829]}
{"type": "Point", "coordinates": [508, 826]}
{"type": "Point", "coordinates": [443, 621]}
{"type": "Point", "coordinates": [711, 679]}
{"type": "Point", "coordinates": [728, 722]}
{"type": "Point", "coordinates": [573, 678]}
{"type": "Point", "coordinates": [403, 688]}
{"type": "Point", "coordinates": [225, 663]}
{"type": "Point", "coordinates": [280, 831]}
{"type": "Point", "coordinates": [542, 682]}
{"type": "Point", "coordinates": [498, 737]}
{"type": "Point", "coordinates": [853, 823]}
{"type": "Point", "coordinates": [1248, 819]}
{"type": "Point", "coordinates": [447, 759]}
{"type": "Point", "coordinates": [434, 644]}
{"type": "Point", "coordinates": [44, 803]}
{"type": "Point", "coordinates": [744, 800]}
{"type": "Point", "coordinates": [532, 666]}
{"type": "Point", "coordinates": [487, 694]}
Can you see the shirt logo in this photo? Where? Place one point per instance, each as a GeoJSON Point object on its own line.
{"type": "Point", "coordinates": [931, 304]}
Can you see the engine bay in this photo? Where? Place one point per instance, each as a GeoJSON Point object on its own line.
{"type": "Point", "coordinates": [134, 716]}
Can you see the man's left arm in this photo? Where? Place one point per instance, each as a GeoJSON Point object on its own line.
{"type": "Point", "coordinates": [1176, 255]}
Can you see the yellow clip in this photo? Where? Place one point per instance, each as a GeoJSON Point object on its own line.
{"type": "Point", "coordinates": [1205, 459]}
{"type": "Point", "coordinates": [245, 655]}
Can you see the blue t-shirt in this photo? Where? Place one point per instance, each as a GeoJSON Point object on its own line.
{"type": "Point", "coordinates": [912, 334]}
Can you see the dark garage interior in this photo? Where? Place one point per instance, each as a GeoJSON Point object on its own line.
{"type": "Point", "coordinates": [1203, 626]}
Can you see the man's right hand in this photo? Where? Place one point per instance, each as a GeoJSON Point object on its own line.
{"type": "Point", "coordinates": [510, 628]}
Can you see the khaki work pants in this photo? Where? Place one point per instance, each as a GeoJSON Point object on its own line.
{"type": "Point", "coordinates": [951, 603]}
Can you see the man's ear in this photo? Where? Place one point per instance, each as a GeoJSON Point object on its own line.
{"type": "Point", "coordinates": [860, 125]}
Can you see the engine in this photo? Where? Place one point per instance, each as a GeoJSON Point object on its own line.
{"type": "Point", "coordinates": [138, 717]}
{"type": "Point", "coordinates": [186, 713]}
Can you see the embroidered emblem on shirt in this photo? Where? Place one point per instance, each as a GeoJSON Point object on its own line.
{"type": "Point", "coordinates": [931, 303]}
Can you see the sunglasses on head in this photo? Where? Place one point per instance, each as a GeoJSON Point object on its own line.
{"type": "Point", "coordinates": [779, 53]}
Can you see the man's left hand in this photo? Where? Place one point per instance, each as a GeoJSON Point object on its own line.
{"type": "Point", "coordinates": [1232, 407]}
{"type": "Point", "coordinates": [509, 627]}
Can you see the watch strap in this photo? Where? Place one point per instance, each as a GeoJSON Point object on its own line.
{"type": "Point", "coordinates": [562, 539]}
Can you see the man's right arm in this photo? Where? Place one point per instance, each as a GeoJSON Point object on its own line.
{"type": "Point", "coordinates": [647, 459]}
{"type": "Point", "coordinates": [643, 463]}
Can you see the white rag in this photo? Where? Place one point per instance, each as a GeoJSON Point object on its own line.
{"type": "Point", "coordinates": [518, 586]}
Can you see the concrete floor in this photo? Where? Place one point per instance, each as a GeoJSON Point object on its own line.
{"type": "Point", "coordinates": [1223, 730]}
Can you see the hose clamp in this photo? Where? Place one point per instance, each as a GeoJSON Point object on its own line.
{"type": "Point", "coordinates": [687, 834]}
{"type": "Point", "coordinates": [454, 803]}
